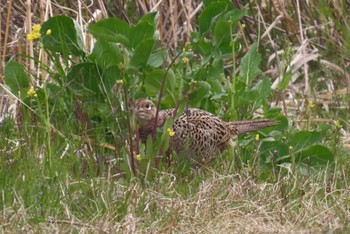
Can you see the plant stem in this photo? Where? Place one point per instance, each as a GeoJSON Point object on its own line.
{"type": "Point", "coordinates": [160, 96]}
{"type": "Point", "coordinates": [131, 147]}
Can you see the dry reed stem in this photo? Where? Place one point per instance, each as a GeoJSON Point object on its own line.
{"type": "Point", "coordinates": [6, 37]}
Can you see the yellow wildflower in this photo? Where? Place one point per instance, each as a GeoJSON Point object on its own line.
{"type": "Point", "coordinates": [120, 82]}
{"type": "Point", "coordinates": [48, 32]}
{"type": "Point", "coordinates": [138, 157]}
{"type": "Point", "coordinates": [31, 92]}
{"type": "Point", "coordinates": [338, 125]}
{"type": "Point", "coordinates": [311, 105]}
{"type": "Point", "coordinates": [187, 47]}
{"type": "Point", "coordinates": [35, 34]}
{"type": "Point", "coordinates": [36, 28]}
{"type": "Point", "coordinates": [171, 132]}
{"type": "Point", "coordinates": [257, 137]}
{"type": "Point", "coordinates": [185, 59]}
{"type": "Point", "coordinates": [32, 36]}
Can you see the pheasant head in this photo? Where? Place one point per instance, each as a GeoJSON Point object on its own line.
{"type": "Point", "coordinates": [145, 112]}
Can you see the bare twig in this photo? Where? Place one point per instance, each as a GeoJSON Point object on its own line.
{"type": "Point", "coordinates": [161, 94]}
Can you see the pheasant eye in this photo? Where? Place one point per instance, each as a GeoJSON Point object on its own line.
{"type": "Point", "coordinates": [148, 107]}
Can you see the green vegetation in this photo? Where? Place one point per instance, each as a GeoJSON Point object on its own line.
{"type": "Point", "coordinates": [70, 159]}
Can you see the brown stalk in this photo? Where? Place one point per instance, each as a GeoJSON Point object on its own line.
{"type": "Point", "coordinates": [131, 146]}
{"type": "Point", "coordinates": [8, 19]}
{"type": "Point", "coordinates": [161, 94]}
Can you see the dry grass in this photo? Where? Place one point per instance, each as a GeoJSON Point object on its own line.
{"type": "Point", "coordinates": [222, 204]}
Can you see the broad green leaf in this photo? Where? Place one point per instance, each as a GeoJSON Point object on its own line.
{"type": "Point", "coordinates": [158, 57]}
{"type": "Point", "coordinates": [110, 77]}
{"type": "Point", "coordinates": [250, 65]}
{"type": "Point", "coordinates": [248, 97]}
{"type": "Point", "coordinates": [303, 140]}
{"type": "Point", "coordinates": [209, 73]}
{"type": "Point", "coordinates": [317, 155]}
{"type": "Point", "coordinates": [271, 149]}
{"type": "Point", "coordinates": [112, 29]}
{"type": "Point", "coordinates": [153, 82]}
{"type": "Point", "coordinates": [143, 30]}
{"type": "Point", "coordinates": [66, 36]}
{"type": "Point", "coordinates": [106, 54]}
{"type": "Point", "coordinates": [210, 14]}
{"type": "Point", "coordinates": [264, 87]}
{"type": "Point", "coordinates": [204, 47]}
{"type": "Point", "coordinates": [216, 87]}
{"type": "Point", "coordinates": [15, 77]}
{"type": "Point", "coordinates": [84, 80]}
{"type": "Point", "coordinates": [257, 95]}
{"type": "Point", "coordinates": [202, 90]}
{"type": "Point", "coordinates": [235, 16]}
{"type": "Point", "coordinates": [223, 37]}
{"type": "Point", "coordinates": [142, 53]}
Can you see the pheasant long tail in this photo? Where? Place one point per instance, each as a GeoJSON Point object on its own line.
{"type": "Point", "coordinates": [245, 126]}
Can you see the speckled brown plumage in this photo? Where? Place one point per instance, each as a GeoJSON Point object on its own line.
{"type": "Point", "coordinates": [202, 133]}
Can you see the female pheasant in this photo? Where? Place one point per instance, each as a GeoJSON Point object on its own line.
{"type": "Point", "coordinates": [199, 131]}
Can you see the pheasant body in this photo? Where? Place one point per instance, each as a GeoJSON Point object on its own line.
{"type": "Point", "coordinates": [202, 133]}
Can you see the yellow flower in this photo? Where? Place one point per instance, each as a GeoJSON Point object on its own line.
{"type": "Point", "coordinates": [120, 82]}
{"type": "Point", "coordinates": [31, 92]}
{"type": "Point", "coordinates": [257, 137]}
{"type": "Point", "coordinates": [48, 32]}
{"type": "Point", "coordinates": [311, 105]}
{"type": "Point", "coordinates": [185, 60]}
{"type": "Point", "coordinates": [138, 157]}
{"type": "Point", "coordinates": [35, 34]}
{"type": "Point", "coordinates": [171, 132]}
{"type": "Point", "coordinates": [36, 28]}
{"type": "Point", "coordinates": [121, 66]}
{"type": "Point", "coordinates": [187, 47]}
{"type": "Point", "coordinates": [338, 125]}
{"type": "Point", "coordinates": [32, 36]}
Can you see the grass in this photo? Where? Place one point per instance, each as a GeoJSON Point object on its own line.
{"type": "Point", "coordinates": [58, 174]}
{"type": "Point", "coordinates": [204, 201]}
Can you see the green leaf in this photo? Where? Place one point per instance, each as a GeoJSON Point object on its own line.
{"type": "Point", "coordinates": [142, 53]}
{"type": "Point", "coordinates": [143, 30]}
{"type": "Point", "coordinates": [216, 87]}
{"type": "Point", "coordinates": [285, 81]}
{"type": "Point", "coordinates": [303, 140]}
{"type": "Point", "coordinates": [201, 91]}
{"type": "Point", "coordinates": [268, 149]}
{"type": "Point", "coordinates": [223, 37]}
{"type": "Point", "coordinates": [257, 95]}
{"type": "Point", "coordinates": [264, 87]}
{"type": "Point", "coordinates": [153, 82]}
{"type": "Point", "coordinates": [66, 36]}
{"type": "Point", "coordinates": [15, 77]}
{"type": "Point", "coordinates": [209, 73]}
{"type": "Point", "coordinates": [110, 77]}
{"type": "Point", "coordinates": [204, 47]}
{"type": "Point", "coordinates": [106, 54]}
{"type": "Point", "coordinates": [158, 57]}
{"type": "Point", "coordinates": [250, 65]}
{"type": "Point", "coordinates": [112, 30]}
{"type": "Point", "coordinates": [317, 155]}
{"type": "Point", "coordinates": [211, 13]}
{"type": "Point", "coordinates": [84, 80]}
